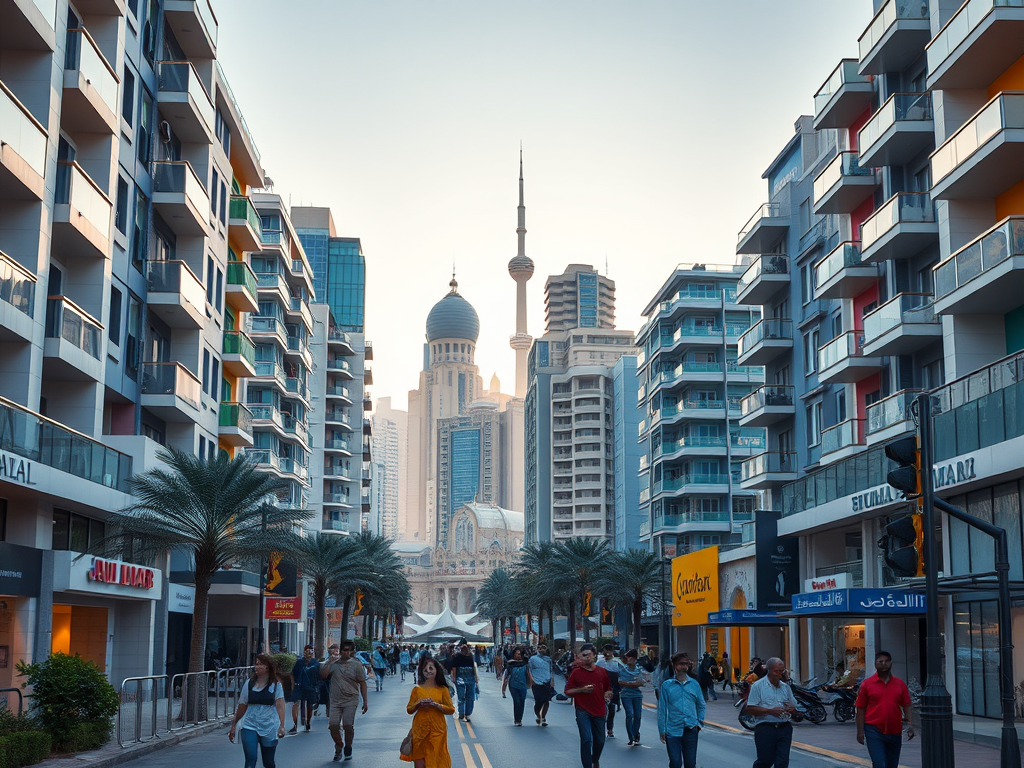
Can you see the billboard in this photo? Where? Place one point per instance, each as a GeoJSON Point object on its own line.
{"type": "Point", "coordinates": [778, 565]}
{"type": "Point", "coordinates": [694, 587]}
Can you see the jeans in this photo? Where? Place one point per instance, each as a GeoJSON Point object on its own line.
{"type": "Point", "coordinates": [611, 716]}
{"type": "Point", "coordinates": [518, 703]}
{"type": "Point", "coordinates": [632, 707]}
{"type": "Point", "coordinates": [466, 687]}
{"type": "Point", "coordinates": [883, 749]}
{"type": "Point", "coordinates": [591, 737]}
{"type": "Point", "coordinates": [682, 750]}
{"type": "Point", "coordinates": [379, 677]}
{"type": "Point", "coordinates": [267, 744]}
{"type": "Point", "coordinates": [772, 745]}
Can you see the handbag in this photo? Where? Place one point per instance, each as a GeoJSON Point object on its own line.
{"type": "Point", "coordinates": [406, 748]}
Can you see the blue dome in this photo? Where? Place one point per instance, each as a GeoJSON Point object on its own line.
{"type": "Point", "coordinates": [453, 318]}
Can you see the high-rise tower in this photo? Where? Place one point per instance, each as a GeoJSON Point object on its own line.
{"type": "Point", "coordinates": [521, 270]}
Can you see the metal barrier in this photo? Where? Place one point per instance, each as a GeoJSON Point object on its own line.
{"type": "Point", "coordinates": [5, 700]}
{"type": "Point", "coordinates": [137, 694]}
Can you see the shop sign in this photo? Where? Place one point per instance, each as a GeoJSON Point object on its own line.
{"type": "Point", "coordinates": [182, 599]}
{"type": "Point", "coordinates": [859, 602]}
{"type": "Point", "coordinates": [821, 583]}
{"type": "Point", "coordinates": [16, 469]}
{"type": "Point", "coordinates": [73, 572]}
{"type": "Point", "coordinates": [944, 475]}
{"type": "Point", "coordinates": [694, 587]}
{"type": "Point", "coordinates": [125, 574]}
{"type": "Point", "coordinates": [745, 618]}
{"type": "Point", "coordinates": [777, 562]}
{"type": "Point", "coordinates": [21, 570]}
{"type": "Point", "coordinates": [283, 608]}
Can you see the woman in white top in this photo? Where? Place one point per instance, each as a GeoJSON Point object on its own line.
{"type": "Point", "coordinates": [261, 712]}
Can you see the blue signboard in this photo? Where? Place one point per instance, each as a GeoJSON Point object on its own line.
{"type": "Point", "coordinates": [859, 602]}
{"type": "Point", "coordinates": [745, 618]}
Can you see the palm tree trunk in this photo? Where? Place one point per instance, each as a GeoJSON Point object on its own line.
{"type": "Point", "coordinates": [194, 693]}
{"type": "Point", "coordinates": [529, 626]}
{"type": "Point", "coordinates": [551, 626]}
{"type": "Point", "coordinates": [346, 609]}
{"type": "Point", "coordinates": [572, 624]}
{"type": "Point", "coordinates": [319, 617]}
{"type": "Point", "coordinates": [637, 612]}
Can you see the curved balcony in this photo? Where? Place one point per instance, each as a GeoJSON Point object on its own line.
{"type": "Point", "coordinates": [767, 274]}
{"type": "Point", "coordinates": [895, 37]}
{"type": "Point", "coordinates": [899, 131]}
{"type": "Point", "coordinates": [765, 341]}
{"type": "Point", "coordinates": [901, 228]}
{"type": "Point", "coordinates": [980, 42]}
{"type": "Point", "coordinates": [842, 360]}
{"type": "Point", "coordinates": [891, 417]}
{"type": "Point", "coordinates": [843, 184]}
{"type": "Point", "coordinates": [767, 405]}
{"type": "Point", "coordinates": [338, 445]}
{"type": "Point", "coordinates": [843, 97]}
{"type": "Point", "coordinates": [986, 276]}
{"type": "Point", "coordinates": [842, 274]}
{"type": "Point", "coordinates": [763, 229]}
{"type": "Point", "coordinates": [902, 325]}
{"type": "Point", "coordinates": [767, 470]}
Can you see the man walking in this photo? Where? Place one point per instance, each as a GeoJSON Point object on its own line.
{"type": "Point", "coordinates": [467, 678]}
{"type": "Point", "coordinates": [613, 667]}
{"type": "Point", "coordinates": [543, 683]}
{"type": "Point", "coordinates": [306, 687]}
{"type": "Point", "coordinates": [681, 709]}
{"type": "Point", "coordinates": [404, 660]}
{"type": "Point", "coordinates": [348, 683]}
{"type": "Point", "coordinates": [590, 690]}
{"type": "Point", "coordinates": [883, 703]}
{"type": "Point", "coordinates": [772, 704]}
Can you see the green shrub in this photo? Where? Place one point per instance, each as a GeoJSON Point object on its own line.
{"type": "Point", "coordinates": [81, 737]}
{"type": "Point", "coordinates": [12, 723]}
{"type": "Point", "coordinates": [284, 662]}
{"type": "Point", "coordinates": [363, 644]}
{"type": "Point", "coordinates": [24, 748]}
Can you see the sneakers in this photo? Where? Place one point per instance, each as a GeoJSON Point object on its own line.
{"type": "Point", "coordinates": [538, 721]}
{"type": "Point", "coordinates": [295, 729]}
{"type": "Point", "coordinates": [348, 752]}
{"type": "Point", "coordinates": [611, 735]}
{"type": "Point", "coordinates": [629, 743]}
{"type": "Point", "coordinates": [337, 754]}
{"type": "Point", "coordinates": [307, 726]}
{"type": "Point", "coordinates": [467, 719]}
{"type": "Point", "coordinates": [544, 722]}
{"type": "Point", "coordinates": [518, 724]}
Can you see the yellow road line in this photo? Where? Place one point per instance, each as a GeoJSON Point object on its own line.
{"type": "Point", "coordinates": [484, 762]}
{"type": "Point", "coordinates": [458, 729]}
{"type": "Point", "coordinates": [469, 728]}
{"type": "Point", "coordinates": [468, 755]}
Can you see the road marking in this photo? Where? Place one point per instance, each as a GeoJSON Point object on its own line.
{"type": "Point", "coordinates": [468, 755]}
{"type": "Point", "coordinates": [458, 729]}
{"type": "Point", "coordinates": [484, 762]}
{"type": "Point", "coordinates": [469, 728]}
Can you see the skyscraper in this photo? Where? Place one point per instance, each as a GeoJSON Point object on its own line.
{"type": "Point", "coordinates": [521, 270]}
{"type": "Point", "coordinates": [579, 298]}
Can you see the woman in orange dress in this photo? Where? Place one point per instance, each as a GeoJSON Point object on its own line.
{"type": "Point", "coordinates": [430, 703]}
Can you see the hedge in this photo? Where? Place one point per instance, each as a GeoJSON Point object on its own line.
{"type": "Point", "coordinates": [24, 748]}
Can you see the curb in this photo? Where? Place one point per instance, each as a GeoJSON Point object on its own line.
{"type": "Point", "coordinates": [124, 754]}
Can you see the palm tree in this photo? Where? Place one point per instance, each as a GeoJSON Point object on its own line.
{"type": "Point", "coordinates": [493, 600]}
{"type": "Point", "coordinates": [221, 512]}
{"type": "Point", "coordinates": [536, 563]}
{"type": "Point", "coordinates": [632, 577]}
{"type": "Point", "coordinates": [385, 575]}
{"type": "Point", "coordinates": [578, 564]}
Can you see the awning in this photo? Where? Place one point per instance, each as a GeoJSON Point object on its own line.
{"type": "Point", "coordinates": [736, 618]}
{"type": "Point", "coordinates": [856, 603]}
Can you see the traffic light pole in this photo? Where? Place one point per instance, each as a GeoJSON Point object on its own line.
{"type": "Point", "coordinates": [936, 703]}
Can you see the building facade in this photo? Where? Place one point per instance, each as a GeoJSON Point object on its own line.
{"type": "Point", "coordinates": [627, 413]}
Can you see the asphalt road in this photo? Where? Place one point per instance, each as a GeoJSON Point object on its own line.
{"type": "Point", "coordinates": [490, 741]}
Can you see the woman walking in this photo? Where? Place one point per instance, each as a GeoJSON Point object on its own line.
{"type": "Point", "coordinates": [518, 679]}
{"type": "Point", "coordinates": [380, 667]}
{"type": "Point", "coordinates": [261, 712]}
{"type": "Point", "coordinates": [631, 679]}
{"type": "Point", "coordinates": [429, 704]}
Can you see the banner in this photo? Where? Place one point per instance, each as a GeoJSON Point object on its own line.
{"type": "Point", "coordinates": [694, 587]}
{"type": "Point", "coordinates": [283, 608]}
{"type": "Point", "coordinates": [777, 562]}
{"type": "Point", "coordinates": [281, 577]}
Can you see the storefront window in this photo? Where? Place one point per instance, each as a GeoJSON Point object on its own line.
{"type": "Point", "coordinates": [977, 658]}
{"type": "Point", "coordinates": [75, 532]}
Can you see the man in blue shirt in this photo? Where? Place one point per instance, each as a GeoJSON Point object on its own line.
{"type": "Point", "coordinates": [543, 684]}
{"type": "Point", "coordinates": [681, 711]}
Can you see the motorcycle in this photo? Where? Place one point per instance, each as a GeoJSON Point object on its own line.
{"type": "Point", "coordinates": [842, 701]}
{"type": "Point", "coordinates": [808, 707]}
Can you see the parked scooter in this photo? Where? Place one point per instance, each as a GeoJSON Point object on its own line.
{"type": "Point", "coordinates": [809, 704]}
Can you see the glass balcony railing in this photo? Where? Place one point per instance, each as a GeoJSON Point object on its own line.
{"type": "Point", "coordinates": [235, 415]}
{"type": "Point", "coordinates": [176, 277]}
{"type": "Point", "coordinates": [241, 207]}
{"type": "Point", "coordinates": [178, 177]}
{"type": "Point", "coordinates": [20, 131]}
{"type": "Point", "coordinates": [82, 54]}
{"type": "Point", "coordinates": [181, 77]}
{"type": "Point", "coordinates": [732, 330]}
{"type": "Point", "coordinates": [845, 434]}
{"type": "Point", "coordinates": [842, 256]}
{"type": "Point", "coordinates": [266, 412]}
{"type": "Point", "coordinates": [769, 329]}
{"type": "Point", "coordinates": [336, 444]}
{"type": "Point", "coordinates": [293, 467]}
{"type": "Point", "coordinates": [237, 343]}
{"type": "Point", "coordinates": [275, 237]}
{"type": "Point", "coordinates": [1001, 242]}
{"type": "Point", "coordinates": [766, 396]}
{"type": "Point", "coordinates": [845, 345]}
{"type": "Point", "coordinates": [900, 107]}
{"type": "Point", "coordinates": [49, 10]}
{"type": "Point", "coordinates": [246, 133]}
{"type": "Point", "coordinates": [845, 74]}
{"type": "Point", "coordinates": [764, 264]}
{"type": "Point", "coordinates": [296, 386]}
{"type": "Point", "coordinates": [892, 410]}
{"type": "Point", "coordinates": [1005, 111]}
{"type": "Point", "coordinates": [901, 308]}
{"type": "Point", "coordinates": [17, 285]}
{"type": "Point", "coordinates": [766, 211]}
{"type": "Point", "coordinates": [296, 427]}
{"type": "Point", "coordinates": [339, 392]}
{"type": "Point", "coordinates": [686, 518]}
{"type": "Point", "coordinates": [902, 208]}
{"type": "Point", "coordinates": [957, 29]}
{"type": "Point", "coordinates": [209, 20]}
{"type": "Point", "coordinates": [240, 273]}
{"type": "Point", "coordinates": [75, 188]}
{"type": "Point", "coordinates": [37, 438]}
{"type": "Point", "coordinates": [845, 164]}
{"type": "Point", "coordinates": [266, 369]}
{"type": "Point", "coordinates": [864, 470]}
{"type": "Point", "coordinates": [676, 483]}
{"type": "Point", "coordinates": [171, 379]}
{"type": "Point", "coordinates": [66, 320]}
{"type": "Point", "coordinates": [263, 457]}
{"type": "Point", "coordinates": [338, 335]}
{"type": "Point", "coordinates": [272, 281]}
{"type": "Point", "coordinates": [339, 365]}
{"type": "Point", "coordinates": [769, 462]}
{"type": "Point", "coordinates": [260, 324]}
{"type": "Point", "coordinates": [891, 12]}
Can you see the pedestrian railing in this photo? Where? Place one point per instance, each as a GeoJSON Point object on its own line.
{"type": "Point", "coordinates": [5, 699]}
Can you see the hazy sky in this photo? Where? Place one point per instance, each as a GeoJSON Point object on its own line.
{"type": "Point", "coordinates": [646, 127]}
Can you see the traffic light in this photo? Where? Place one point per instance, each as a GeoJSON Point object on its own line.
{"type": "Point", "coordinates": [902, 545]}
{"type": "Point", "coordinates": [606, 612]}
{"type": "Point", "coordinates": [907, 476]}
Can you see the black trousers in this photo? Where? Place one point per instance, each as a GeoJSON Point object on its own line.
{"type": "Point", "coordinates": [772, 742]}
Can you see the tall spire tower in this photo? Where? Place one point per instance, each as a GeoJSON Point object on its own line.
{"type": "Point", "coordinates": [521, 270]}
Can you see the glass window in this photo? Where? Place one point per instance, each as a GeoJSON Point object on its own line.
{"type": "Point", "coordinates": [114, 318]}
{"type": "Point", "coordinates": [79, 534]}
{"type": "Point", "coordinates": [144, 131]}
{"type": "Point", "coordinates": [128, 94]}
{"type": "Point", "coordinates": [121, 214]}
{"type": "Point", "coordinates": [61, 529]}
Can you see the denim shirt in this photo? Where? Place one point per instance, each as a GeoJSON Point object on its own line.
{"type": "Point", "coordinates": [680, 706]}
{"type": "Point", "coordinates": [631, 676]}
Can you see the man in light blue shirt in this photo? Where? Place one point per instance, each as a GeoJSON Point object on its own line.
{"type": "Point", "coordinates": [681, 711]}
{"type": "Point", "coordinates": [772, 704]}
{"type": "Point", "coordinates": [543, 685]}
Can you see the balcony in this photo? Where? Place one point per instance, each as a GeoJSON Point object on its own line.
{"type": "Point", "coordinates": [843, 359]}
{"type": "Point", "coordinates": [264, 459]}
{"type": "Point", "coordinates": [81, 216]}
{"type": "Point", "coordinates": [843, 97]}
{"type": "Point", "coordinates": [241, 287]}
{"type": "Point", "coordinates": [902, 325]}
{"type": "Point", "coordinates": [340, 393]}
{"type": "Point", "coordinates": [901, 228]}
{"type": "Point", "coordinates": [340, 366]}
{"type": "Point", "coordinates": [341, 340]}
{"type": "Point", "coordinates": [983, 159]}
{"type": "Point", "coordinates": [767, 405]}
{"type": "Point", "coordinates": [176, 295]}
{"type": "Point", "coordinates": [17, 300]}
{"type": "Point", "coordinates": [765, 341]}
{"type": "Point", "coordinates": [892, 416]}
{"type": "Point", "coordinates": [767, 469]}
{"type": "Point", "coordinates": [895, 37]}
{"type": "Point", "coordinates": [28, 25]}
{"type": "Point", "coordinates": [843, 184]}
{"type": "Point", "coordinates": [296, 427]}
{"type": "Point", "coordinates": [89, 99]}
{"type": "Point", "coordinates": [277, 240]}
{"type": "Point", "coordinates": [180, 198]}
{"type": "Point", "coordinates": [244, 225]}
{"type": "Point", "coordinates": [297, 387]}
{"type": "Point", "coordinates": [269, 327]}
{"type": "Point", "coordinates": [273, 286]}
{"type": "Point", "coordinates": [194, 26]}
{"type": "Point", "coordinates": [842, 274]}
{"type": "Point", "coordinates": [74, 344]}
{"type": "Point", "coordinates": [767, 274]}
{"type": "Point", "coordinates": [763, 229]}
{"type": "Point", "coordinates": [234, 426]}
{"type": "Point", "coordinates": [171, 392]}
{"type": "Point", "coordinates": [986, 276]}
{"type": "Point", "coordinates": [184, 102]}
{"type": "Point", "coordinates": [899, 131]}
{"type": "Point", "coordinates": [300, 308]}
{"type": "Point", "coordinates": [22, 150]}
{"type": "Point", "coordinates": [338, 445]}
{"type": "Point", "coordinates": [294, 468]}
{"type": "Point", "coordinates": [271, 373]}
{"type": "Point", "coordinates": [691, 483]}
{"type": "Point", "coordinates": [842, 440]}
{"type": "Point", "coordinates": [980, 42]}
{"type": "Point", "coordinates": [265, 416]}
{"type": "Point", "coordinates": [239, 354]}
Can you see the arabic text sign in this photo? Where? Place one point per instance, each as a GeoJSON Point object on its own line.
{"type": "Point", "coordinates": [859, 602]}
{"type": "Point", "coordinates": [694, 587]}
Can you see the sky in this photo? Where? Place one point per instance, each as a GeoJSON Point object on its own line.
{"type": "Point", "coordinates": [645, 128]}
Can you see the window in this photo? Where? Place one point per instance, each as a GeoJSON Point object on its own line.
{"type": "Point", "coordinates": [837, 324]}
{"type": "Point", "coordinates": [114, 319]}
{"type": "Point", "coordinates": [223, 203]}
{"type": "Point", "coordinates": [214, 190]}
{"type": "Point", "coordinates": [133, 341]}
{"type": "Point", "coordinates": [75, 532]}
{"type": "Point", "coordinates": [807, 282]}
{"type": "Point", "coordinates": [121, 212]}
{"type": "Point", "coordinates": [841, 406]}
{"type": "Point", "coordinates": [128, 95]}
{"type": "Point", "coordinates": [210, 285]}
{"type": "Point", "coordinates": [218, 296]}
{"type": "Point", "coordinates": [223, 133]}
{"type": "Point", "coordinates": [814, 423]}
{"type": "Point", "coordinates": [811, 352]}
{"type": "Point", "coordinates": [144, 132]}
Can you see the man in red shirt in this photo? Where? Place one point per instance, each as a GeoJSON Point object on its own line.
{"type": "Point", "coordinates": [590, 689]}
{"type": "Point", "coordinates": [883, 703]}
